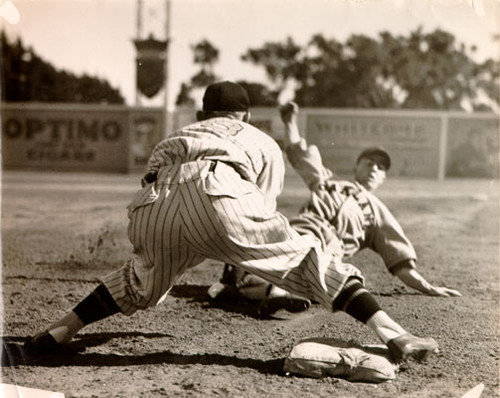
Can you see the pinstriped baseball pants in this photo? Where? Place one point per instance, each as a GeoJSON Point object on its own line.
{"type": "Point", "coordinates": [176, 223]}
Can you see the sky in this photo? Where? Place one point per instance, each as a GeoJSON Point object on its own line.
{"type": "Point", "coordinates": [96, 36]}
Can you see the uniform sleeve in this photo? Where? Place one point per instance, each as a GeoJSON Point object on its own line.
{"type": "Point", "coordinates": [271, 177]}
{"type": "Point", "coordinates": [154, 164]}
{"type": "Point", "coordinates": [306, 160]}
{"type": "Point", "coordinates": [388, 238]}
{"type": "Point", "coordinates": [157, 158]}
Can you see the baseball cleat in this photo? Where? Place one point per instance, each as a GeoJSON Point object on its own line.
{"type": "Point", "coordinates": [290, 303]}
{"type": "Point", "coordinates": [41, 344]}
{"type": "Point", "coordinates": [221, 291]}
{"type": "Point", "coordinates": [408, 346]}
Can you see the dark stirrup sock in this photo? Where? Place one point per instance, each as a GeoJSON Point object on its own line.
{"type": "Point", "coordinates": [96, 306]}
{"type": "Point", "coordinates": [356, 301]}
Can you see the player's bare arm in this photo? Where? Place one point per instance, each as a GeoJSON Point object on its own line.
{"type": "Point", "coordinates": [289, 113]}
{"type": "Point", "coordinates": [412, 278]}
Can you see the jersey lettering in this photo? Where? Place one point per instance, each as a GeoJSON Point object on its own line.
{"type": "Point", "coordinates": [222, 126]}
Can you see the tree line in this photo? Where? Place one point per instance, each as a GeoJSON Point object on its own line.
{"type": "Point", "coordinates": [417, 71]}
{"type": "Point", "coordinates": [26, 77]}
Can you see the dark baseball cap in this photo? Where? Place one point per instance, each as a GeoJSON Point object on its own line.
{"type": "Point", "coordinates": [376, 151]}
{"type": "Point", "coordinates": [226, 96]}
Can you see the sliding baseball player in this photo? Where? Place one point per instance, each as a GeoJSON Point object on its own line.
{"type": "Point", "coordinates": [210, 192]}
{"type": "Point", "coordinates": [346, 209]}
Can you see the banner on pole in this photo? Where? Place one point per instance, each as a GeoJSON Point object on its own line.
{"type": "Point", "coordinates": [150, 65]}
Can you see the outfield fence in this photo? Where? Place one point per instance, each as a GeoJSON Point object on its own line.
{"type": "Point", "coordinates": [429, 144]}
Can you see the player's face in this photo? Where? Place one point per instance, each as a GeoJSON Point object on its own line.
{"type": "Point", "coordinates": [370, 172]}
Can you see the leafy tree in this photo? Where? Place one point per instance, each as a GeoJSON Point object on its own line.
{"type": "Point", "coordinates": [278, 59]}
{"type": "Point", "coordinates": [488, 72]}
{"type": "Point", "coordinates": [27, 77]}
{"type": "Point", "coordinates": [259, 94]}
{"type": "Point", "coordinates": [418, 71]}
{"type": "Point", "coordinates": [206, 56]}
{"type": "Point", "coordinates": [348, 74]}
{"type": "Point", "coordinates": [184, 96]}
{"type": "Point", "coordinates": [436, 72]}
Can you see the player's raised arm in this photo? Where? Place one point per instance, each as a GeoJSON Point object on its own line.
{"type": "Point", "coordinates": [289, 113]}
{"type": "Point", "coordinates": [305, 159]}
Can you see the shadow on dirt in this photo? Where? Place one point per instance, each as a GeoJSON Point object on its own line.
{"type": "Point", "coordinates": [234, 304]}
{"type": "Point", "coordinates": [51, 279]}
{"type": "Point", "coordinates": [14, 354]}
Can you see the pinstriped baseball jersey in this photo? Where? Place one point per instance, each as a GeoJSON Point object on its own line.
{"type": "Point", "coordinates": [215, 197]}
{"type": "Point", "coordinates": [355, 215]}
{"type": "Point", "coordinates": [253, 154]}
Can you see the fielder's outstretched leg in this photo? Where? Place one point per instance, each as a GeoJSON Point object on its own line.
{"type": "Point", "coordinates": [358, 302]}
{"type": "Point", "coordinates": [96, 306]}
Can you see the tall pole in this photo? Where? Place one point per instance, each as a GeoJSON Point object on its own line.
{"type": "Point", "coordinates": [165, 88]}
{"type": "Point", "coordinates": [139, 19]}
{"type": "Point", "coordinates": [138, 37]}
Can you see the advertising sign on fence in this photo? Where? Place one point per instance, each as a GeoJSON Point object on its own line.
{"type": "Point", "coordinates": [51, 138]}
{"type": "Point", "coordinates": [146, 130]}
{"type": "Point", "coordinates": [78, 137]}
{"type": "Point", "coordinates": [473, 147]}
{"type": "Point", "coordinates": [412, 141]}
{"type": "Point", "coordinates": [423, 144]}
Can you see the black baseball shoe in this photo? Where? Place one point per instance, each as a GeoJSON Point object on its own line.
{"type": "Point", "coordinates": [288, 302]}
{"type": "Point", "coordinates": [221, 291]}
{"type": "Point", "coordinates": [41, 344]}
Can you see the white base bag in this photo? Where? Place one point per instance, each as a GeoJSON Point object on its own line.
{"type": "Point", "coordinates": [323, 357]}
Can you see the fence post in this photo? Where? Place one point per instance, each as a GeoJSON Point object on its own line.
{"type": "Point", "coordinates": [443, 141]}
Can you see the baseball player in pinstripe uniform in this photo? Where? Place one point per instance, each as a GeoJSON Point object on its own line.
{"type": "Point", "coordinates": [346, 209]}
{"type": "Point", "coordinates": [210, 192]}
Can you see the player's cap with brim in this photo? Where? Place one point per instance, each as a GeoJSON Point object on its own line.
{"type": "Point", "coordinates": [377, 151]}
{"type": "Point", "coordinates": [225, 96]}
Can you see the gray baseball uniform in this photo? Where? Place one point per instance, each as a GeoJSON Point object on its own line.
{"type": "Point", "coordinates": [347, 210]}
{"type": "Point", "coordinates": [215, 197]}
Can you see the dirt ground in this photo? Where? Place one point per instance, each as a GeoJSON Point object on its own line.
{"type": "Point", "coordinates": [61, 232]}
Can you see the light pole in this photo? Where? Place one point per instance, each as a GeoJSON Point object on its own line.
{"type": "Point", "coordinates": [166, 126]}
{"type": "Point", "coordinates": [144, 48]}
{"type": "Point", "coordinates": [138, 37]}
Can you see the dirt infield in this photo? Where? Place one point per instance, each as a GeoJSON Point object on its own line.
{"type": "Point", "coordinates": [60, 232]}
